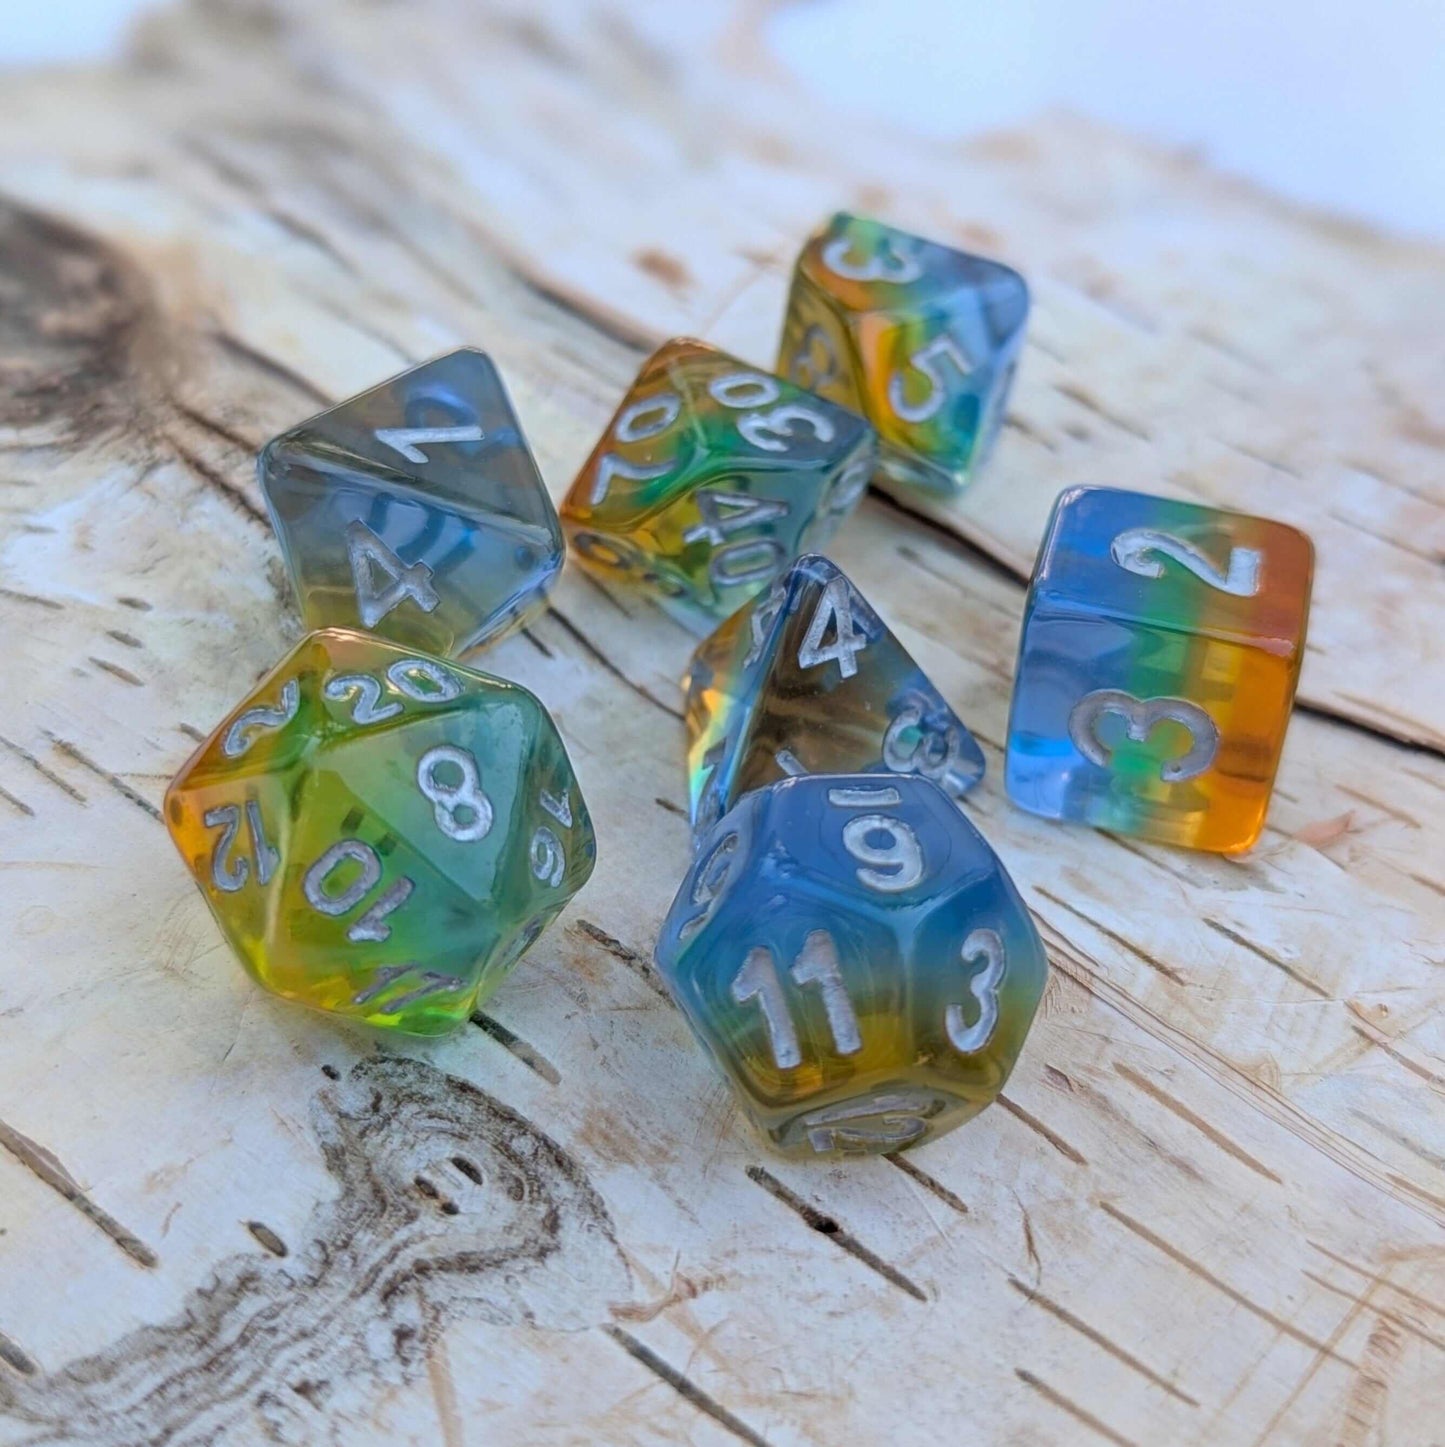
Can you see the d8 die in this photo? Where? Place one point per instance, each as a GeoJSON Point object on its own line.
{"type": "Point", "coordinates": [415, 510]}
{"type": "Point", "coordinates": [1157, 667]}
{"type": "Point", "coordinates": [856, 961]}
{"type": "Point", "coordinates": [382, 834]}
{"type": "Point", "coordinates": [808, 680]}
{"type": "Point", "coordinates": [921, 339]}
{"type": "Point", "coordinates": [710, 478]}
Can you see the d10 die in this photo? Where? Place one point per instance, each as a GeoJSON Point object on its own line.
{"type": "Point", "coordinates": [921, 339]}
{"type": "Point", "coordinates": [710, 478]}
{"type": "Point", "coordinates": [415, 510]}
{"type": "Point", "coordinates": [1157, 667]}
{"type": "Point", "coordinates": [808, 680]}
{"type": "Point", "coordinates": [855, 959]}
{"type": "Point", "coordinates": [382, 834]}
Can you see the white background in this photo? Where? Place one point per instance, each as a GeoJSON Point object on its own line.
{"type": "Point", "coordinates": [1339, 103]}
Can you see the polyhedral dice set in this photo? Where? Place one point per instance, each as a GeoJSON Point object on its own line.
{"type": "Point", "coordinates": [382, 831]}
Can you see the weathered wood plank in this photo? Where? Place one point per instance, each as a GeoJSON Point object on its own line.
{"type": "Point", "coordinates": [1210, 1209]}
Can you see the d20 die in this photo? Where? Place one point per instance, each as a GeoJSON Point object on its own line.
{"type": "Point", "coordinates": [415, 511]}
{"type": "Point", "coordinates": [855, 959]}
{"type": "Point", "coordinates": [1157, 667]}
{"type": "Point", "coordinates": [382, 834]}
{"type": "Point", "coordinates": [808, 680]}
{"type": "Point", "coordinates": [921, 339]}
{"type": "Point", "coordinates": [710, 479]}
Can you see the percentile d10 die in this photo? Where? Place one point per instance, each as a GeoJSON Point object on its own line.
{"type": "Point", "coordinates": [380, 833]}
{"type": "Point", "coordinates": [710, 479]}
{"type": "Point", "coordinates": [415, 511]}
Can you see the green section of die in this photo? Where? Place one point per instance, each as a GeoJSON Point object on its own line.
{"type": "Point", "coordinates": [920, 338]}
{"type": "Point", "coordinates": [711, 477]}
{"type": "Point", "coordinates": [382, 834]}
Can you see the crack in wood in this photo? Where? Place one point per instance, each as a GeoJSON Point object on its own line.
{"type": "Point", "coordinates": [16, 1359]}
{"type": "Point", "coordinates": [118, 784]}
{"type": "Point", "coordinates": [1157, 1093]}
{"type": "Point", "coordinates": [1080, 1414]}
{"type": "Point", "coordinates": [1168, 971]}
{"type": "Point", "coordinates": [17, 803]}
{"type": "Point", "coordinates": [268, 366]}
{"type": "Point", "coordinates": [47, 1168]}
{"type": "Point", "coordinates": [1182, 1258]}
{"type": "Point", "coordinates": [43, 770]}
{"type": "Point", "coordinates": [1039, 1128]}
{"type": "Point", "coordinates": [1056, 1309]}
{"type": "Point", "coordinates": [231, 491]}
{"type": "Point", "coordinates": [599, 657]}
{"type": "Point", "coordinates": [684, 1386]}
{"type": "Point", "coordinates": [931, 1184]}
{"type": "Point", "coordinates": [635, 960]}
{"type": "Point", "coordinates": [529, 1055]}
{"type": "Point", "coordinates": [1403, 1322]}
{"type": "Point", "coordinates": [825, 1225]}
{"type": "Point", "coordinates": [1313, 986]}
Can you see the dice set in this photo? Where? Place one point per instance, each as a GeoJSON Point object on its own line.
{"type": "Point", "coordinates": [382, 831]}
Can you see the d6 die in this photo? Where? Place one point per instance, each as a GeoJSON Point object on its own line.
{"type": "Point", "coordinates": [1157, 667]}
{"type": "Point", "coordinates": [415, 510]}
{"type": "Point", "coordinates": [382, 834]}
{"type": "Point", "coordinates": [921, 339]}
{"type": "Point", "coordinates": [710, 478]}
{"type": "Point", "coordinates": [856, 961]}
{"type": "Point", "coordinates": [807, 679]}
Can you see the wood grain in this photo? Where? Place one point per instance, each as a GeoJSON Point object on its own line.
{"type": "Point", "coordinates": [1211, 1208]}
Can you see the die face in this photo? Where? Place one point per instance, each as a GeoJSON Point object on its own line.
{"type": "Point", "coordinates": [1131, 555]}
{"type": "Point", "coordinates": [415, 510]}
{"type": "Point", "coordinates": [387, 847]}
{"type": "Point", "coordinates": [1157, 667]}
{"type": "Point", "coordinates": [922, 339]}
{"type": "Point", "coordinates": [710, 479]}
{"type": "Point", "coordinates": [805, 680]}
{"type": "Point", "coordinates": [856, 961]}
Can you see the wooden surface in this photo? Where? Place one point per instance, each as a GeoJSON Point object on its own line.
{"type": "Point", "coordinates": [1211, 1208]}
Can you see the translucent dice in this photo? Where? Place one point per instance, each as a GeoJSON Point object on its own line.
{"type": "Point", "coordinates": [710, 479]}
{"type": "Point", "coordinates": [415, 511]}
{"type": "Point", "coordinates": [380, 833]}
{"type": "Point", "coordinates": [805, 680]}
{"type": "Point", "coordinates": [921, 339]}
{"type": "Point", "coordinates": [856, 961]}
{"type": "Point", "coordinates": [1157, 667]}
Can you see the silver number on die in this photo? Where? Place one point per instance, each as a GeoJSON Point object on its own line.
{"type": "Point", "coordinates": [370, 556]}
{"type": "Point", "coordinates": [1135, 548]}
{"type": "Point", "coordinates": [965, 1038]}
{"type": "Point", "coordinates": [902, 855]}
{"type": "Point", "coordinates": [228, 874]}
{"type": "Point", "coordinates": [255, 721]}
{"type": "Point", "coordinates": [1141, 716]}
{"type": "Point", "coordinates": [462, 810]}
{"type": "Point", "coordinates": [409, 440]}
{"type": "Point", "coordinates": [835, 607]}
{"type": "Point", "coordinates": [886, 265]}
{"type": "Point", "coordinates": [940, 355]}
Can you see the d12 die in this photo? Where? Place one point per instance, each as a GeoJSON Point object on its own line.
{"type": "Point", "coordinates": [415, 510]}
{"type": "Point", "coordinates": [1157, 667]}
{"type": "Point", "coordinates": [808, 680]}
{"type": "Point", "coordinates": [382, 834]}
{"type": "Point", "coordinates": [855, 959]}
{"type": "Point", "coordinates": [921, 339]}
{"type": "Point", "coordinates": [710, 478]}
